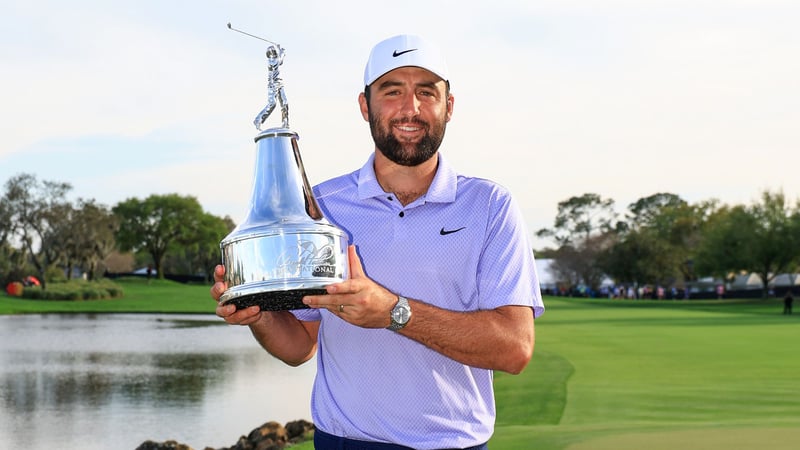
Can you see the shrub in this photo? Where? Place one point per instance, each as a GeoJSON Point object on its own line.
{"type": "Point", "coordinates": [71, 295]}
{"type": "Point", "coordinates": [114, 291]}
{"type": "Point", "coordinates": [55, 275]}
{"type": "Point", "coordinates": [35, 293]}
{"type": "Point", "coordinates": [75, 290]}
{"type": "Point", "coordinates": [93, 293]}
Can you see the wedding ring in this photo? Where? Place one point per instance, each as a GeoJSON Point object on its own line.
{"type": "Point", "coordinates": [341, 308]}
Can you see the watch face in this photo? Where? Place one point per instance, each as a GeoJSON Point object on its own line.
{"type": "Point", "coordinates": [400, 315]}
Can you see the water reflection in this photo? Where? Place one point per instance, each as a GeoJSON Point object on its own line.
{"type": "Point", "coordinates": [113, 381]}
{"type": "Point", "coordinates": [98, 379]}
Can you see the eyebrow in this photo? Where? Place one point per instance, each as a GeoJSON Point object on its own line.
{"type": "Point", "coordinates": [391, 83]}
{"type": "Point", "coordinates": [388, 84]}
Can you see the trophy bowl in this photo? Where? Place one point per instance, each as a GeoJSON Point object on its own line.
{"type": "Point", "coordinates": [285, 249]}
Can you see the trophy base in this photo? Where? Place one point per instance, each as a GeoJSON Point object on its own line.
{"type": "Point", "coordinates": [275, 300]}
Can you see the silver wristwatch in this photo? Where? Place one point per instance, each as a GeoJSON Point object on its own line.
{"type": "Point", "coordinates": [400, 314]}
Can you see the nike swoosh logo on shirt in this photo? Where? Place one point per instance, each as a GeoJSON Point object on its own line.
{"type": "Point", "coordinates": [444, 232]}
{"type": "Point", "coordinates": [396, 53]}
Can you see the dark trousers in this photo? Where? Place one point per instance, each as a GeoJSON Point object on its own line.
{"type": "Point", "coordinates": [325, 441]}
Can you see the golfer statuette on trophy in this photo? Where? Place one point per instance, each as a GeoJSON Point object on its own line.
{"type": "Point", "coordinates": [285, 248]}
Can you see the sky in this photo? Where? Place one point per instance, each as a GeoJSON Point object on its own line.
{"type": "Point", "coordinates": [553, 98]}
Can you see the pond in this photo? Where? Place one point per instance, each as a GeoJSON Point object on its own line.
{"type": "Point", "coordinates": [116, 380]}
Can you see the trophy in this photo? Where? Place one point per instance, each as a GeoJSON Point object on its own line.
{"type": "Point", "coordinates": [285, 248]}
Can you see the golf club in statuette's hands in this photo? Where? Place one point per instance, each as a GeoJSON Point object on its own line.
{"type": "Point", "coordinates": [285, 248]}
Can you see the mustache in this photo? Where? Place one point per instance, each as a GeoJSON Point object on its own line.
{"type": "Point", "coordinates": [409, 121]}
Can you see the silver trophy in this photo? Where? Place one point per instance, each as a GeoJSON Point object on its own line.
{"type": "Point", "coordinates": [285, 248]}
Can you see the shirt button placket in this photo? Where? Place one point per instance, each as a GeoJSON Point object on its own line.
{"type": "Point", "coordinates": [401, 213]}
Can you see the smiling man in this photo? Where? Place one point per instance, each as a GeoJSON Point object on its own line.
{"type": "Point", "coordinates": [443, 287]}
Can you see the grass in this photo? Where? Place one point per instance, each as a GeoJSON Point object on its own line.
{"type": "Point", "coordinates": [610, 374]}
{"type": "Point", "coordinates": [158, 296]}
{"type": "Point", "coordinates": [606, 374]}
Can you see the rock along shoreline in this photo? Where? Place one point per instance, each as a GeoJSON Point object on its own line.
{"type": "Point", "coordinates": [270, 436]}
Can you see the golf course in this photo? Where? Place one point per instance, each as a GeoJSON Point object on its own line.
{"type": "Point", "coordinates": [606, 374]}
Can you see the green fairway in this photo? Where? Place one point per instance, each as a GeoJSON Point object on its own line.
{"type": "Point", "coordinates": [157, 296]}
{"type": "Point", "coordinates": [611, 374]}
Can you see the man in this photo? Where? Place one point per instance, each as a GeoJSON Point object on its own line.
{"type": "Point", "coordinates": [275, 92]}
{"type": "Point", "coordinates": [447, 268]}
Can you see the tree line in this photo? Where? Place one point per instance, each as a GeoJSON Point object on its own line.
{"type": "Point", "coordinates": [44, 233]}
{"type": "Point", "coordinates": [662, 240]}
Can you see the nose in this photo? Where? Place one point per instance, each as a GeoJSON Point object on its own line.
{"type": "Point", "coordinates": [410, 105]}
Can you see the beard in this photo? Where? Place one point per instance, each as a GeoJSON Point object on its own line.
{"type": "Point", "coordinates": [407, 154]}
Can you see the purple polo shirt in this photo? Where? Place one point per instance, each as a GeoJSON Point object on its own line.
{"type": "Point", "coordinates": [462, 246]}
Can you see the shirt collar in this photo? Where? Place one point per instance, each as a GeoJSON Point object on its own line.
{"type": "Point", "coordinates": [441, 190]}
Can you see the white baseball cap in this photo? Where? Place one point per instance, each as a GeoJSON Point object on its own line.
{"type": "Point", "coordinates": [402, 51]}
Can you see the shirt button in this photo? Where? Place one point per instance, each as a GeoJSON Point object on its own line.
{"type": "Point", "coordinates": [389, 198]}
{"type": "Point", "coordinates": [402, 214]}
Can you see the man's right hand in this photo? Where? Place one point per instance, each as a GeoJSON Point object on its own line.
{"type": "Point", "coordinates": [228, 312]}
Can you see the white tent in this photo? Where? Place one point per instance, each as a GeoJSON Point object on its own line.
{"type": "Point", "coordinates": [785, 279]}
{"type": "Point", "coordinates": [753, 281]}
{"type": "Point", "coordinates": [746, 281]}
{"type": "Point", "coordinates": [547, 279]}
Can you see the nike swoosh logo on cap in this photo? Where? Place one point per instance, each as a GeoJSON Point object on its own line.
{"type": "Point", "coordinates": [396, 53]}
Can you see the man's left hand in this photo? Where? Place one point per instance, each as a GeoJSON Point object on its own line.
{"type": "Point", "coordinates": [358, 300]}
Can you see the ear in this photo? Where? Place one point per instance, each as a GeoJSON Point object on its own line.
{"type": "Point", "coordinates": [362, 104]}
{"type": "Point", "coordinates": [450, 101]}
